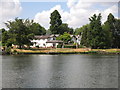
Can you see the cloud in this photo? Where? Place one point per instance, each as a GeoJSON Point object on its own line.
{"type": "Point", "coordinates": [44, 17]}
{"type": "Point", "coordinates": [113, 9]}
{"type": "Point", "coordinates": [78, 13]}
{"type": "Point", "coordinates": [9, 9]}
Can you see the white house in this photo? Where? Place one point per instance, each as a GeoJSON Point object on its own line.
{"type": "Point", "coordinates": [45, 41]}
{"type": "Point", "coordinates": [76, 39]}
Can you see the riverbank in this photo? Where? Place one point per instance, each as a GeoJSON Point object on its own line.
{"type": "Point", "coordinates": [66, 51]}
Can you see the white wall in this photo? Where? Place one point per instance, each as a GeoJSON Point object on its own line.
{"type": "Point", "coordinates": [42, 43]}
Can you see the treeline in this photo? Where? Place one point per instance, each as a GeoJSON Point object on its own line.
{"type": "Point", "coordinates": [94, 35]}
{"type": "Point", "coordinates": [98, 35]}
{"type": "Point", "coordinates": [20, 32]}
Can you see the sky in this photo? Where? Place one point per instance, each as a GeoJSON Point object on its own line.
{"type": "Point", "coordinates": [75, 13]}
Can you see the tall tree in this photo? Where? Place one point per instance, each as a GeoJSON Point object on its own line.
{"type": "Point", "coordinates": [117, 33]}
{"type": "Point", "coordinates": [112, 26]}
{"type": "Point", "coordinates": [55, 22]}
{"type": "Point", "coordinates": [84, 32]}
{"type": "Point", "coordinates": [96, 37]}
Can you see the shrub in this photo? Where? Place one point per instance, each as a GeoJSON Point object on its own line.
{"type": "Point", "coordinates": [8, 50]}
{"type": "Point", "coordinates": [81, 46]}
{"type": "Point", "coordinates": [69, 46]}
{"type": "Point", "coordinates": [59, 46]}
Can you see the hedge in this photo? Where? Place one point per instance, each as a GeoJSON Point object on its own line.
{"type": "Point", "coordinates": [69, 46]}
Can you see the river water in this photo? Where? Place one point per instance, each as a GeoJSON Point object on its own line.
{"type": "Point", "coordinates": [60, 71]}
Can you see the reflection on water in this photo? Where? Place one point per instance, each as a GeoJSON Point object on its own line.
{"type": "Point", "coordinates": [60, 71]}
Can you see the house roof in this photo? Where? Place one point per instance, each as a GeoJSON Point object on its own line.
{"type": "Point", "coordinates": [55, 41]}
{"type": "Point", "coordinates": [45, 36]}
{"type": "Point", "coordinates": [42, 37]}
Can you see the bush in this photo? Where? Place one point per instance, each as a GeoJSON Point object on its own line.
{"type": "Point", "coordinates": [69, 46]}
{"type": "Point", "coordinates": [59, 46]}
{"type": "Point", "coordinates": [8, 50]}
{"type": "Point", "coordinates": [14, 52]}
{"type": "Point", "coordinates": [81, 46]}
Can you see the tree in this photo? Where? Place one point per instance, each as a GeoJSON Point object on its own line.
{"type": "Point", "coordinates": [1, 31]}
{"type": "Point", "coordinates": [65, 37]}
{"type": "Point", "coordinates": [48, 32]}
{"type": "Point", "coordinates": [34, 27]}
{"type": "Point", "coordinates": [84, 32]}
{"type": "Point", "coordinates": [108, 35]}
{"type": "Point", "coordinates": [37, 29]}
{"type": "Point", "coordinates": [19, 32]}
{"type": "Point", "coordinates": [113, 27]}
{"type": "Point", "coordinates": [95, 35]}
{"type": "Point", "coordinates": [64, 28]}
{"type": "Point", "coordinates": [5, 37]}
{"type": "Point", "coordinates": [117, 33]}
{"type": "Point", "coordinates": [55, 22]}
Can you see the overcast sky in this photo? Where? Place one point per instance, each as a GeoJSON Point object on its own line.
{"type": "Point", "coordinates": [75, 13]}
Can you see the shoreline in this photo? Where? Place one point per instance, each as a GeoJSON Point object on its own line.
{"type": "Point", "coordinates": [57, 51]}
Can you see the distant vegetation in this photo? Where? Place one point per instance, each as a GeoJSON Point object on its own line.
{"type": "Point", "coordinates": [97, 35]}
{"type": "Point", "coordinates": [94, 35]}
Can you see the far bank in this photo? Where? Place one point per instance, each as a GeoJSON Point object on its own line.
{"type": "Point", "coordinates": [65, 51]}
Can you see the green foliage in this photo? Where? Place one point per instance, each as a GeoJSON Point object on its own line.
{"type": "Point", "coordinates": [84, 32]}
{"type": "Point", "coordinates": [48, 32]}
{"type": "Point", "coordinates": [65, 37]}
{"type": "Point", "coordinates": [107, 36]}
{"type": "Point", "coordinates": [8, 50]}
{"type": "Point", "coordinates": [18, 32]}
{"type": "Point", "coordinates": [59, 46]}
{"type": "Point", "coordinates": [117, 33]}
{"type": "Point", "coordinates": [21, 32]}
{"type": "Point", "coordinates": [112, 26]}
{"type": "Point", "coordinates": [6, 40]}
{"type": "Point", "coordinates": [70, 46]}
{"type": "Point", "coordinates": [78, 31]}
{"type": "Point", "coordinates": [37, 29]}
{"type": "Point", "coordinates": [64, 28]}
{"type": "Point", "coordinates": [81, 46]}
{"type": "Point", "coordinates": [55, 22]}
{"type": "Point", "coordinates": [57, 27]}
{"type": "Point", "coordinates": [95, 34]}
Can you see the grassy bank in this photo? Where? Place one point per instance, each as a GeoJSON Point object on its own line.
{"type": "Point", "coordinates": [0, 43]}
{"type": "Point", "coordinates": [66, 51]}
